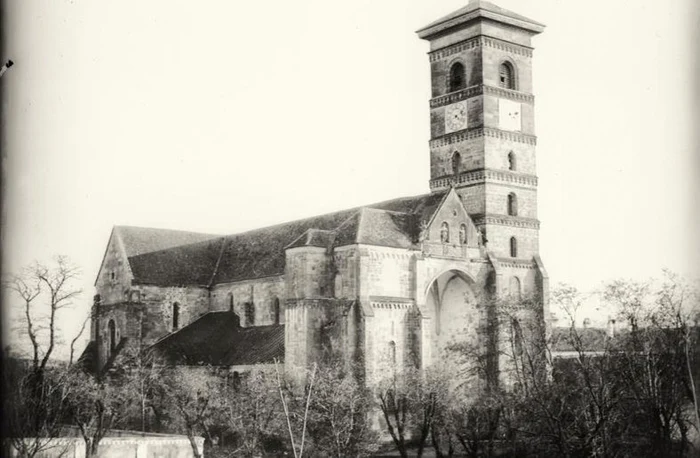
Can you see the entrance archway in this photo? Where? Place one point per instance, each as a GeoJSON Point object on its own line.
{"type": "Point", "coordinates": [452, 303]}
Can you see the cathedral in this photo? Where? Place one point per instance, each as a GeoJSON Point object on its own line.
{"type": "Point", "coordinates": [390, 283]}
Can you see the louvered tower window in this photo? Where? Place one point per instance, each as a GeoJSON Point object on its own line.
{"type": "Point", "coordinates": [506, 76]}
{"type": "Point", "coordinates": [458, 79]}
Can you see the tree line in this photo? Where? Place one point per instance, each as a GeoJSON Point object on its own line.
{"type": "Point", "coordinates": [632, 394]}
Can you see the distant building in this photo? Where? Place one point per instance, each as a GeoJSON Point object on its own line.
{"type": "Point", "coordinates": [387, 283]}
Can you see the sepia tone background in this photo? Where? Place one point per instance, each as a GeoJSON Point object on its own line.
{"type": "Point", "coordinates": [225, 116]}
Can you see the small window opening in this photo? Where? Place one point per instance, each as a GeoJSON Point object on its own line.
{"type": "Point", "coordinates": [112, 336]}
{"type": "Point", "coordinates": [456, 161]}
{"type": "Point", "coordinates": [230, 302]}
{"type": "Point", "coordinates": [457, 77]}
{"type": "Point", "coordinates": [513, 247]}
{"type": "Point", "coordinates": [276, 310]}
{"type": "Point", "coordinates": [176, 315]}
{"type": "Point", "coordinates": [249, 314]}
{"type": "Point", "coordinates": [512, 204]}
{"type": "Point", "coordinates": [511, 161]}
{"type": "Point", "coordinates": [506, 76]}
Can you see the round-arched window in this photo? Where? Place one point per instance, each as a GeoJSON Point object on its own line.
{"type": "Point", "coordinates": [458, 78]}
{"type": "Point", "coordinates": [511, 161]}
{"type": "Point", "coordinates": [512, 204]}
{"type": "Point", "coordinates": [506, 75]}
{"type": "Point", "coordinates": [513, 247]}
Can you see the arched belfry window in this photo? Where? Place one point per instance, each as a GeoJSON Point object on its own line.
{"type": "Point", "coordinates": [511, 161]}
{"type": "Point", "coordinates": [176, 315]}
{"type": "Point", "coordinates": [458, 78]}
{"type": "Point", "coordinates": [445, 233]}
{"type": "Point", "coordinates": [456, 161]}
{"type": "Point", "coordinates": [230, 302]}
{"type": "Point", "coordinates": [463, 234]}
{"type": "Point", "coordinates": [513, 247]}
{"type": "Point", "coordinates": [276, 310]}
{"type": "Point", "coordinates": [506, 76]}
{"type": "Point", "coordinates": [112, 336]}
{"type": "Point", "coordinates": [512, 204]}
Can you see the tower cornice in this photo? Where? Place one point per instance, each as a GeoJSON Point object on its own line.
{"type": "Point", "coordinates": [477, 42]}
{"type": "Point", "coordinates": [505, 220]}
{"type": "Point", "coordinates": [473, 177]}
{"type": "Point", "coordinates": [462, 135]}
{"type": "Point", "coordinates": [481, 89]}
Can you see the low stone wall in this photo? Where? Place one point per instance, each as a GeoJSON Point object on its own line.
{"type": "Point", "coordinates": [123, 444]}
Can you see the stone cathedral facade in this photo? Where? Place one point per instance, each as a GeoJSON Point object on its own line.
{"type": "Point", "coordinates": [388, 283]}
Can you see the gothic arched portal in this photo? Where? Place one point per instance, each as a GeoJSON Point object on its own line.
{"type": "Point", "coordinates": [452, 303]}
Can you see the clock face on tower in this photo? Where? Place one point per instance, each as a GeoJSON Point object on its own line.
{"type": "Point", "coordinates": [455, 117]}
{"type": "Point", "coordinates": [509, 115]}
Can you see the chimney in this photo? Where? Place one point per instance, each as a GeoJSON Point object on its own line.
{"type": "Point", "coordinates": [611, 327]}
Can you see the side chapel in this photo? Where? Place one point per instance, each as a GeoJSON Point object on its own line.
{"type": "Point", "coordinates": [388, 283]}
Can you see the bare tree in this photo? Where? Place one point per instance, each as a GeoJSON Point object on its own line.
{"type": "Point", "coordinates": [45, 290]}
{"type": "Point", "coordinates": [96, 406]}
{"type": "Point", "coordinates": [408, 403]}
{"type": "Point", "coordinates": [187, 397]}
{"type": "Point", "coordinates": [339, 414]}
{"type": "Point", "coordinates": [37, 395]}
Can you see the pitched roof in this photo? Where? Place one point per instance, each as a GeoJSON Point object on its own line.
{"type": "Point", "coordinates": [183, 265]}
{"type": "Point", "coordinates": [217, 338]}
{"type": "Point", "coordinates": [260, 253]}
{"type": "Point", "coordinates": [205, 259]}
{"type": "Point", "coordinates": [480, 8]}
{"type": "Point", "coordinates": [141, 240]}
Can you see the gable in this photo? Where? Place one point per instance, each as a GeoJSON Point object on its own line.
{"type": "Point", "coordinates": [114, 276]}
{"type": "Point", "coordinates": [451, 212]}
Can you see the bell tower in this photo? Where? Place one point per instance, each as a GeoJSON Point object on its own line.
{"type": "Point", "coordinates": [482, 130]}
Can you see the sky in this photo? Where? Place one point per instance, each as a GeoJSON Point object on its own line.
{"type": "Point", "coordinates": [220, 116]}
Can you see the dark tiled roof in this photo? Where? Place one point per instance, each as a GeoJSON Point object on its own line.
{"type": "Point", "coordinates": [475, 5]}
{"type": "Point", "coordinates": [218, 339]}
{"type": "Point", "coordinates": [141, 240]}
{"type": "Point", "coordinates": [314, 237]}
{"type": "Point", "coordinates": [261, 252]}
{"type": "Point", "coordinates": [184, 265]}
{"type": "Point", "coordinates": [88, 359]}
{"type": "Point", "coordinates": [591, 339]}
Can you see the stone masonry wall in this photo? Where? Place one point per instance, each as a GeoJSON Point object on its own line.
{"type": "Point", "coordinates": [114, 280]}
{"type": "Point", "coordinates": [262, 293]}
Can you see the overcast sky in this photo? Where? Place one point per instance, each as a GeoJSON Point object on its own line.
{"type": "Point", "coordinates": [221, 116]}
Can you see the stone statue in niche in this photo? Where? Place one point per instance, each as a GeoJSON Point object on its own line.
{"type": "Point", "coordinates": [463, 234]}
{"type": "Point", "coordinates": [445, 233]}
